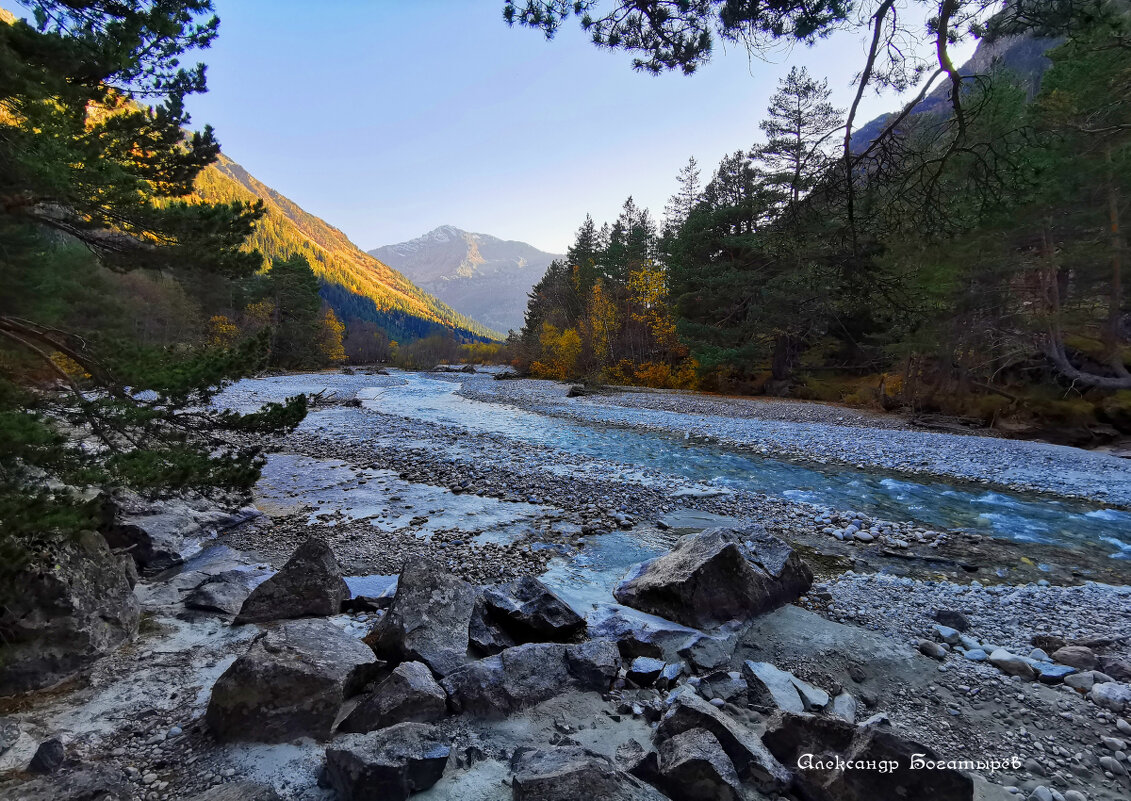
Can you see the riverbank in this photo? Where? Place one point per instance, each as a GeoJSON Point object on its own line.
{"type": "Point", "coordinates": [825, 434]}
{"type": "Point", "coordinates": [388, 471]}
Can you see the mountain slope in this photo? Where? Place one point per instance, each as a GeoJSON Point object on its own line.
{"type": "Point", "coordinates": [482, 276]}
{"type": "Point", "coordinates": [355, 284]}
{"type": "Point", "coordinates": [1022, 56]}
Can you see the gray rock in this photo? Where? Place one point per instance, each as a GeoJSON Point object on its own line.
{"type": "Point", "coordinates": [155, 532]}
{"type": "Point", "coordinates": [224, 593]}
{"type": "Point", "coordinates": [706, 652]}
{"type": "Point", "coordinates": [571, 774]}
{"type": "Point", "coordinates": [814, 699]}
{"type": "Point", "coordinates": [790, 736]}
{"type": "Point", "coordinates": [694, 766]}
{"type": "Point", "coordinates": [844, 707]}
{"type": "Point", "coordinates": [770, 687]}
{"type": "Point", "coordinates": [1080, 681]}
{"type": "Point", "coordinates": [309, 585]}
{"type": "Point", "coordinates": [753, 762]}
{"type": "Point", "coordinates": [1076, 656]}
{"type": "Point", "coordinates": [485, 636]}
{"type": "Point", "coordinates": [408, 695]}
{"type": "Point", "coordinates": [389, 764]}
{"type": "Point", "coordinates": [1048, 673]}
{"type": "Point", "coordinates": [932, 649]}
{"type": "Point", "coordinates": [48, 757]}
{"type": "Point", "coordinates": [530, 612]}
{"type": "Point", "coordinates": [95, 783]}
{"type": "Point", "coordinates": [238, 791]}
{"type": "Point", "coordinates": [291, 683]}
{"type": "Point", "coordinates": [716, 576]}
{"type": "Point", "coordinates": [428, 619]}
{"type": "Point", "coordinates": [952, 618]}
{"type": "Point", "coordinates": [509, 681]}
{"type": "Point", "coordinates": [644, 671]}
{"type": "Point", "coordinates": [1012, 664]}
{"type": "Point", "coordinates": [75, 605]}
{"type": "Point", "coordinates": [1112, 695]}
{"type": "Point", "coordinates": [594, 664]}
{"type": "Point", "coordinates": [946, 634]}
{"type": "Point", "coordinates": [976, 655]}
{"type": "Point", "coordinates": [727, 685]}
{"type": "Point", "coordinates": [639, 634]}
{"type": "Point", "coordinates": [1038, 655]}
{"type": "Point", "coordinates": [1119, 669]}
{"type": "Point", "coordinates": [1112, 765]}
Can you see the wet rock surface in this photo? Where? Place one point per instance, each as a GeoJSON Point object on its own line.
{"type": "Point", "coordinates": [717, 576]}
{"type": "Point", "coordinates": [389, 764]}
{"type": "Point", "coordinates": [309, 585]}
{"type": "Point", "coordinates": [75, 605]}
{"type": "Point", "coordinates": [428, 619]}
{"type": "Point", "coordinates": [409, 695]}
{"type": "Point", "coordinates": [291, 683]}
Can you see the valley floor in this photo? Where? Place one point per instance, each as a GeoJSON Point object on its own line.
{"type": "Point", "coordinates": [481, 475]}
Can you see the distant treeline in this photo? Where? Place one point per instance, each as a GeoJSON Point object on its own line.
{"type": "Point", "coordinates": [965, 261]}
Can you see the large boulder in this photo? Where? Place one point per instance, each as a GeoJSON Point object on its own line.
{"type": "Point", "coordinates": [716, 576]}
{"type": "Point", "coordinates": [408, 695]}
{"type": "Point", "coordinates": [751, 759]}
{"type": "Point", "coordinates": [309, 585]}
{"type": "Point", "coordinates": [1113, 695]}
{"type": "Point", "coordinates": [157, 532]}
{"type": "Point", "coordinates": [639, 634]}
{"type": "Point", "coordinates": [428, 619]}
{"type": "Point", "coordinates": [291, 683]}
{"type": "Point", "coordinates": [693, 766]}
{"type": "Point", "coordinates": [825, 744]}
{"type": "Point", "coordinates": [571, 773]}
{"type": "Point", "coordinates": [530, 612]}
{"type": "Point", "coordinates": [75, 604]}
{"type": "Point", "coordinates": [594, 664]}
{"type": "Point", "coordinates": [774, 688]}
{"type": "Point", "coordinates": [389, 764]}
{"type": "Point", "coordinates": [94, 783]}
{"type": "Point", "coordinates": [485, 636]}
{"type": "Point", "coordinates": [224, 593]}
{"type": "Point", "coordinates": [529, 674]}
{"type": "Point", "coordinates": [511, 680]}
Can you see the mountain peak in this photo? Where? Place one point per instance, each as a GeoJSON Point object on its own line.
{"type": "Point", "coordinates": [471, 271]}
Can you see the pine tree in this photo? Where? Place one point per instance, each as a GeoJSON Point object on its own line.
{"type": "Point", "coordinates": [800, 128]}
{"type": "Point", "coordinates": [91, 179]}
{"type": "Point", "coordinates": [680, 204]}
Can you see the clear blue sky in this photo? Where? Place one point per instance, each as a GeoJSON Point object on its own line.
{"type": "Point", "coordinates": [388, 119]}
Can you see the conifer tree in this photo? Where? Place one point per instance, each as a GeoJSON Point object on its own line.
{"type": "Point", "coordinates": [95, 166]}
{"type": "Point", "coordinates": [800, 127]}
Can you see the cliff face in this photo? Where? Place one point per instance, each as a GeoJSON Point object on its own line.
{"type": "Point", "coordinates": [1023, 56]}
{"type": "Point", "coordinates": [479, 275]}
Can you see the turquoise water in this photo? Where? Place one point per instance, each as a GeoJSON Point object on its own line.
{"type": "Point", "coordinates": [930, 503]}
{"type": "Point", "coordinates": [935, 504]}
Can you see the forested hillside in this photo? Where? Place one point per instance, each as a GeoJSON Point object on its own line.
{"type": "Point", "coordinates": [356, 285]}
{"type": "Point", "coordinates": [964, 256]}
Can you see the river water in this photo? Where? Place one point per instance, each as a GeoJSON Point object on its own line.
{"type": "Point", "coordinates": [932, 503]}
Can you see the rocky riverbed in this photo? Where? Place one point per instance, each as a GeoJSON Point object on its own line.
{"type": "Point", "coordinates": [961, 640]}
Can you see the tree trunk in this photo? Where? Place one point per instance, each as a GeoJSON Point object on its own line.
{"type": "Point", "coordinates": [1112, 338]}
